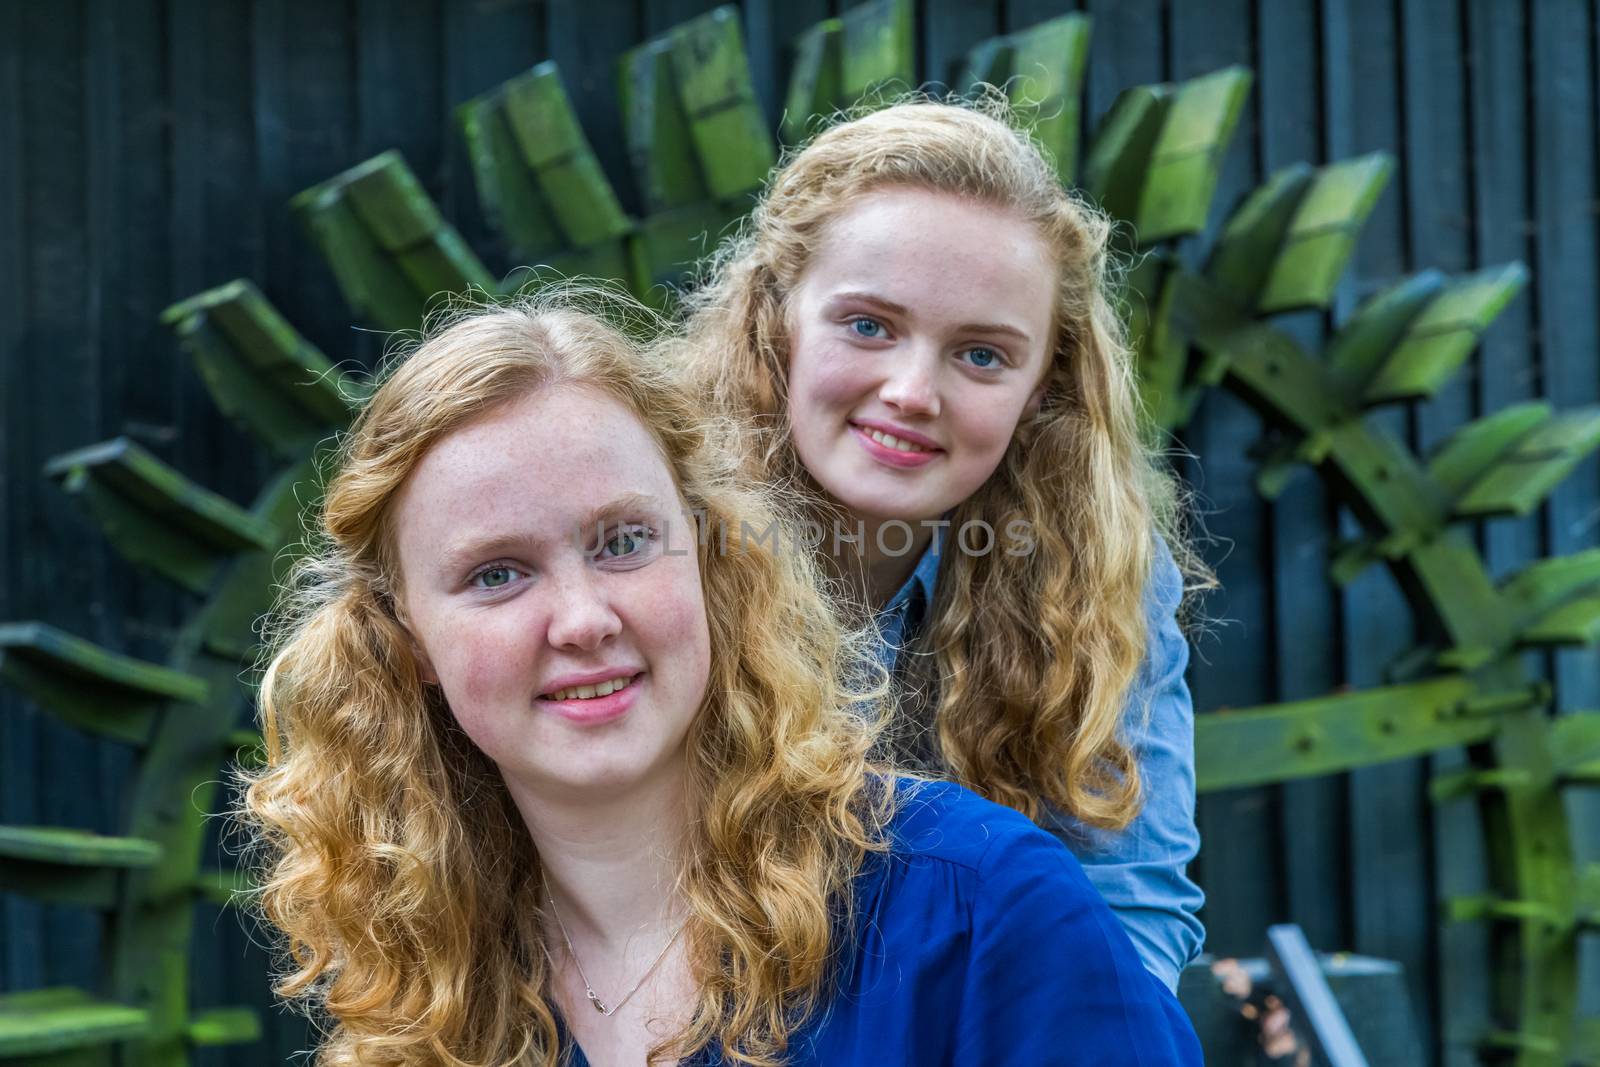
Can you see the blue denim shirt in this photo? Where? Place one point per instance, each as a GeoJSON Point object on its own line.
{"type": "Point", "coordinates": [1142, 870]}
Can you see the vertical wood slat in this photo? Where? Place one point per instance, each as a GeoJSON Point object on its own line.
{"type": "Point", "coordinates": [1433, 178]}
{"type": "Point", "coordinates": [305, 122]}
{"type": "Point", "coordinates": [57, 293]}
{"type": "Point", "coordinates": [1565, 248]}
{"type": "Point", "coordinates": [1504, 374]}
{"type": "Point", "coordinates": [946, 32]}
{"type": "Point", "coordinates": [1127, 43]}
{"type": "Point", "coordinates": [1565, 264]}
{"type": "Point", "coordinates": [1393, 903]}
{"type": "Point", "coordinates": [218, 221]}
{"type": "Point", "coordinates": [221, 222]}
{"type": "Point", "coordinates": [1240, 846]}
{"type": "Point", "coordinates": [22, 947]}
{"type": "Point", "coordinates": [1306, 609]}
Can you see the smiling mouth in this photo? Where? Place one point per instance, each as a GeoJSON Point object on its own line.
{"type": "Point", "coordinates": [591, 692]}
{"type": "Point", "coordinates": [889, 440]}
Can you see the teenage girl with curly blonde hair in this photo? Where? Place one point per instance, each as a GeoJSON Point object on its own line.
{"type": "Point", "coordinates": [567, 762]}
{"type": "Point", "coordinates": [919, 317]}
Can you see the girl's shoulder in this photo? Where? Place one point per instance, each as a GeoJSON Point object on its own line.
{"type": "Point", "coordinates": [942, 823]}
{"type": "Point", "coordinates": [977, 930]}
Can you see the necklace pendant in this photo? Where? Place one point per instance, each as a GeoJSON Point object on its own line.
{"type": "Point", "coordinates": [595, 1000]}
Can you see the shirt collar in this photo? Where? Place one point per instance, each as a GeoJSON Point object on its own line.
{"type": "Point", "coordinates": [916, 594]}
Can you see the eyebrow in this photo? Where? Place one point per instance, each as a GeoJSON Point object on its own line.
{"type": "Point", "coordinates": [900, 309]}
{"type": "Point", "coordinates": [626, 506]}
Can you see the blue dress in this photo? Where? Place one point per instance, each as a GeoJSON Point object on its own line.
{"type": "Point", "coordinates": [978, 941]}
{"type": "Point", "coordinates": [1140, 871]}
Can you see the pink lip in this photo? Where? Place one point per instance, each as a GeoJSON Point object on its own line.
{"type": "Point", "coordinates": [604, 674]}
{"type": "Point", "coordinates": [596, 710]}
{"type": "Point", "coordinates": [899, 431]}
{"type": "Point", "coordinates": [892, 457]}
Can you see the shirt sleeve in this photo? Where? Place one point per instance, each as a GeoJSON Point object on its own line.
{"type": "Point", "coordinates": [1052, 981]}
{"type": "Point", "coordinates": [1142, 871]}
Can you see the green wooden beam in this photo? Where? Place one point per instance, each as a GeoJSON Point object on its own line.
{"type": "Point", "coordinates": [726, 126]}
{"type": "Point", "coordinates": [1498, 1042]}
{"type": "Point", "coordinates": [1370, 335]}
{"type": "Point", "coordinates": [1041, 70]}
{"type": "Point", "coordinates": [1157, 155]}
{"type": "Point", "coordinates": [1438, 340]}
{"type": "Point", "coordinates": [260, 371]}
{"type": "Point", "coordinates": [1161, 352]}
{"type": "Point", "coordinates": [1322, 234]}
{"type": "Point", "coordinates": [866, 54]}
{"type": "Point", "coordinates": [1468, 783]}
{"type": "Point", "coordinates": [1494, 909]}
{"type": "Point", "coordinates": [666, 246]}
{"type": "Point", "coordinates": [537, 177]}
{"type": "Point", "coordinates": [156, 517]}
{"type": "Point", "coordinates": [1255, 746]}
{"type": "Point", "coordinates": [877, 51]}
{"type": "Point", "coordinates": [37, 1022]}
{"type": "Point", "coordinates": [1466, 455]}
{"type": "Point", "coordinates": [661, 149]}
{"type": "Point", "coordinates": [1288, 242]}
{"type": "Point", "coordinates": [391, 251]}
{"type": "Point", "coordinates": [69, 866]}
{"type": "Point", "coordinates": [1574, 744]}
{"type": "Point", "coordinates": [224, 1026]}
{"type": "Point", "coordinates": [815, 80]}
{"type": "Point", "coordinates": [1526, 472]}
{"type": "Point", "coordinates": [90, 687]}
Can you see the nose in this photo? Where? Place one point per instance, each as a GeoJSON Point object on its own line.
{"type": "Point", "coordinates": [581, 614]}
{"type": "Point", "coordinates": [912, 385]}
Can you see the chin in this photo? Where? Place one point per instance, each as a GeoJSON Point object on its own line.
{"type": "Point", "coordinates": [885, 506]}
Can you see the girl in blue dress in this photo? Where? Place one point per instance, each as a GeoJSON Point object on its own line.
{"type": "Point", "coordinates": [567, 762]}
{"type": "Point", "coordinates": [917, 316]}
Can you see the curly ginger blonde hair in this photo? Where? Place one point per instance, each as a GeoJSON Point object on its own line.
{"type": "Point", "coordinates": [1026, 662]}
{"type": "Point", "coordinates": [393, 861]}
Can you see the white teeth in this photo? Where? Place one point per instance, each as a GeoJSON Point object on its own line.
{"type": "Point", "coordinates": [589, 692]}
{"type": "Point", "coordinates": [889, 440]}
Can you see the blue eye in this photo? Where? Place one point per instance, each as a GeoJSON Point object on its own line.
{"type": "Point", "coordinates": [865, 327]}
{"type": "Point", "coordinates": [495, 577]}
{"type": "Point", "coordinates": [627, 541]}
{"type": "Point", "coordinates": [982, 358]}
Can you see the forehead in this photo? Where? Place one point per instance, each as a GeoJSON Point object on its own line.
{"type": "Point", "coordinates": [918, 247]}
{"type": "Point", "coordinates": [530, 470]}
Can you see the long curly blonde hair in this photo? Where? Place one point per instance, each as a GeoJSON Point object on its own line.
{"type": "Point", "coordinates": [1031, 656]}
{"type": "Point", "coordinates": [392, 860]}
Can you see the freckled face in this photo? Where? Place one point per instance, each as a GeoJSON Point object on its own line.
{"type": "Point", "coordinates": [548, 582]}
{"type": "Point", "coordinates": [919, 335]}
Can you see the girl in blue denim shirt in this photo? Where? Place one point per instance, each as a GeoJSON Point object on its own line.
{"type": "Point", "coordinates": [917, 318]}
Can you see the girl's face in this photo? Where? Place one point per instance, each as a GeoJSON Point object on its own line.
{"type": "Point", "coordinates": [919, 336]}
{"type": "Point", "coordinates": [567, 632]}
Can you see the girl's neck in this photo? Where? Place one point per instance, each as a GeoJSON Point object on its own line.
{"type": "Point", "coordinates": [877, 567]}
{"type": "Point", "coordinates": [611, 865]}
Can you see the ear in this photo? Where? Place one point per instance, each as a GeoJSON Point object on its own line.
{"type": "Point", "coordinates": [1035, 399]}
{"type": "Point", "coordinates": [425, 669]}
{"type": "Point", "coordinates": [424, 665]}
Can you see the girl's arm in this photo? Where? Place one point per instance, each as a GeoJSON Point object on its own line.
{"type": "Point", "coordinates": [1142, 871]}
{"type": "Point", "coordinates": [1051, 980]}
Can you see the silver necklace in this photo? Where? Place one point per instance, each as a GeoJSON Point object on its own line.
{"type": "Point", "coordinates": [594, 998]}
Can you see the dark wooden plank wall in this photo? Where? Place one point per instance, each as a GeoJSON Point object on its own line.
{"type": "Point", "coordinates": [148, 148]}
